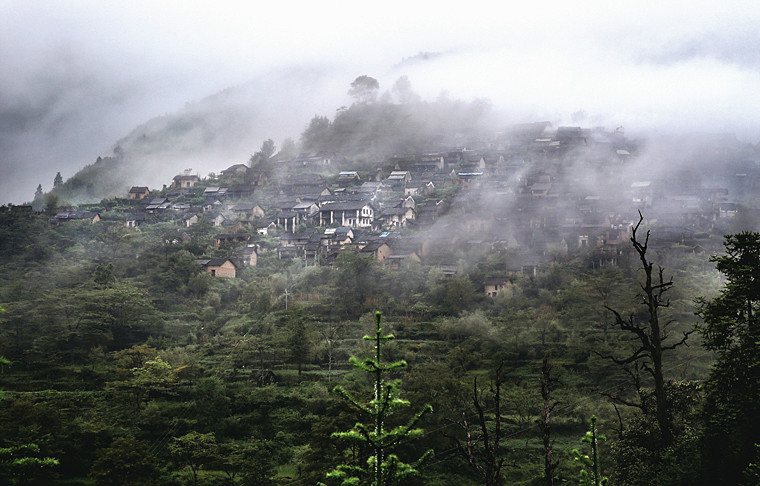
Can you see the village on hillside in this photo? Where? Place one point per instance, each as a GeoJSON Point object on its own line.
{"type": "Point", "coordinates": [229, 305]}
{"type": "Point", "coordinates": [538, 192]}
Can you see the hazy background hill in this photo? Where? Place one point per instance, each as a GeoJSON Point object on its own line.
{"type": "Point", "coordinates": [226, 128]}
{"type": "Point", "coordinates": [208, 135]}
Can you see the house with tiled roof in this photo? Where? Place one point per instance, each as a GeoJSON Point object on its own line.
{"type": "Point", "coordinates": [218, 267]}
{"type": "Point", "coordinates": [356, 214]}
{"type": "Point", "coordinates": [139, 192]}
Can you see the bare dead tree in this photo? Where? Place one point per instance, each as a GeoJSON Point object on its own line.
{"type": "Point", "coordinates": [548, 380]}
{"type": "Point", "coordinates": [481, 445]}
{"type": "Point", "coordinates": [650, 335]}
{"type": "Point", "coordinates": [644, 396]}
{"type": "Point", "coordinates": [330, 332]}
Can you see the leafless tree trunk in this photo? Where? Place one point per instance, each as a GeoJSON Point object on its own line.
{"type": "Point", "coordinates": [652, 334]}
{"type": "Point", "coordinates": [481, 446]}
{"type": "Point", "coordinates": [547, 383]}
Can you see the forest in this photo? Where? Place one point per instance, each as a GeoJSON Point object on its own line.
{"type": "Point", "coordinates": [125, 363]}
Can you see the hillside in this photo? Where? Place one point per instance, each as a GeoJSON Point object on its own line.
{"type": "Point", "coordinates": [191, 329]}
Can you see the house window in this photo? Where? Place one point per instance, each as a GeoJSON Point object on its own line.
{"type": "Point", "coordinates": [213, 273]}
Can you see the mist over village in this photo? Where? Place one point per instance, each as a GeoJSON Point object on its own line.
{"type": "Point", "coordinates": [349, 257]}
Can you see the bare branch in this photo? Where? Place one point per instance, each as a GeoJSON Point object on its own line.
{"type": "Point", "coordinates": [681, 342]}
{"type": "Point", "coordinates": [616, 399]}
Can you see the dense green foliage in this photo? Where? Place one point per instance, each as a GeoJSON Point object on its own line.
{"type": "Point", "coordinates": [123, 362]}
{"type": "Point", "coordinates": [382, 467]}
{"type": "Point", "coordinates": [121, 351]}
{"type": "Point", "coordinates": [731, 328]}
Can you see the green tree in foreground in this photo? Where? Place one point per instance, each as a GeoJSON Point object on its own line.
{"type": "Point", "coordinates": [382, 468]}
{"type": "Point", "coordinates": [731, 328]}
{"type": "Point", "coordinates": [20, 464]}
{"type": "Point", "coordinates": [125, 462]}
{"type": "Point", "coordinates": [194, 450]}
{"type": "Point", "coordinates": [593, 478]}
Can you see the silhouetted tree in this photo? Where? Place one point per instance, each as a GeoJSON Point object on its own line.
{"type": "Point", "coordinates": [731, 328]}
{"type": "Point", "coordinates": [482, 446]}
{"type": "Point", "coordinates": [51, 205]}
{"type": "Point", "coordinates": [548, 380]}
{"type": "Point", "coordinates": [364, 89]}
{"type": "Point", "coordinates": [650, 335]}
{"type": "Point", "coordinates": [317, 135]}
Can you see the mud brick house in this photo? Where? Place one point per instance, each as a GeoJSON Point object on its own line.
{"type": "Point", "coordinates": [218, 267]}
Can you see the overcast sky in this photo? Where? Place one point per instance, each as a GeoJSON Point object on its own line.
{"type": "Point", "coordinates": [76, 76]}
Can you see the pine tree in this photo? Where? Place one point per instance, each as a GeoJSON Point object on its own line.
{"type": "Point", "coordinates": [382, 468]}
{"type": "Point", "coordinates": [731, 328]}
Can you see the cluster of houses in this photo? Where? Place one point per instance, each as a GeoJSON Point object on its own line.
{"type": "Point", "coordinates": [534, 192]}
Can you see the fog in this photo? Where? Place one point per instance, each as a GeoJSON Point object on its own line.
{"type": "Point", "coordinates": [77, 78]}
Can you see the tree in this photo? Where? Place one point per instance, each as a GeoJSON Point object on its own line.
{"type": "Point", "coordinates": [177, 270]}
{"type": "Point", "coordinates": [194, 450]}
{"type": "Point", "coordinates": [330, 331]}
{"type": "Point", "coordinates": [103, 275]}
{"type": "Point", "coordinates": [39, 198]}
{"type": "Point", "coordinates": [731, 329]}
{"type": "Point", "coordinates": [113, 313]}
{"type": "Point", "coordinates": [125, 462]}
{"type": "Point", "coordinates": [482, 444]}
{"type": "Point", "coordinates": [155, 377]}
{"type": "Point", "coordinates": [364, 89]}
{"type": "Point", "coordinates": [317, 135]}
{"type": "Point", "coordinates": [260, 160]}
{"type": "Point", "coordinates": [752, 473]}
{"type": "Point", "coordinates": [593, 478]}
{"type": "Point", "coordinates": [402, 89]}
{"type": "Point", "coordinates": [458, 295]}
{"type": "Point", "coordinates": [57, 181]}
{"type": "Point", "coordinates": [3, 363]}
{"type": "Point", "coordinates": [382, 468]}
{"type": "Point", "coordinates": [253, 460]}
{"type": "Point", "coordinates": [288, 149]}
{"type": "Point", "coordinates": [548, 380]}
{"type": "Point", "coordinates": [357, 282]}
{"type": "Point", "coordinates": [20, 464]}
{"type": "Point", "coordinates": [651, 335]}
{"type": "Point", "coordinates": [51, 205]}
{"type": "Point", "coordinates": [298, 340]}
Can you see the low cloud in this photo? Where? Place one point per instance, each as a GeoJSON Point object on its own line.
{"type": "Point", "coordinates": [80, 77]}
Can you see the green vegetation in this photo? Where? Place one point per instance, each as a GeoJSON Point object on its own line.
{"type": "Point", "coordinates": [732, 391]}
{"type": "Point", "coordinates": [124, 356]}
{"type": "Point", "coordinates": [592, 476]}
{"type": "Point", "coordinates": [381, 467]}
{"type": "Point", "coordinates": [125, 362]}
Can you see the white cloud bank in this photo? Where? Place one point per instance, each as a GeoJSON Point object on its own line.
{"type": "Point", "coordinates": [78, 75]}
